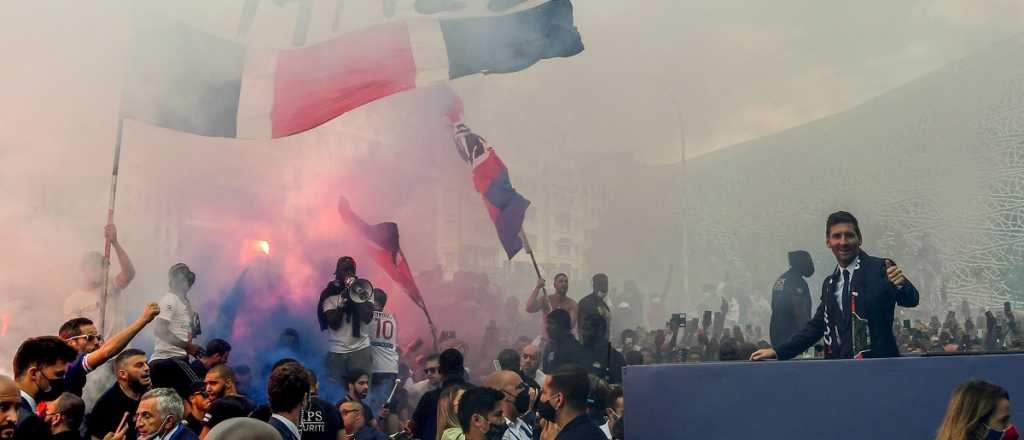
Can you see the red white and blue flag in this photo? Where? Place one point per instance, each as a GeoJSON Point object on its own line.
{"type": "Point", "coordinates": [187, 80]}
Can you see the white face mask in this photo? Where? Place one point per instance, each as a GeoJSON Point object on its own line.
{"type": "Point", "coordinates": [159, 434]}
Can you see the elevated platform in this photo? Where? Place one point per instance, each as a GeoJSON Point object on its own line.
{"type": "Point", "coordinates": [900, 398]}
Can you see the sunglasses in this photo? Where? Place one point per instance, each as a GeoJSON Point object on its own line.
{"type": "Point", "coordinates": [90, 338]}
{"type": "Point", "coordinates": [429, 370]}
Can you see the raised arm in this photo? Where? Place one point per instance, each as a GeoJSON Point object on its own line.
{"type": "Point", "coordinates": [535, 303]}
{"type": "Point", "coordinates": [127, 273]}
{"type": "Point", "coordinates": [119, 341]}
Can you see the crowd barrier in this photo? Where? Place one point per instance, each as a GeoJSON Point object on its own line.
{"type": "Point", "coordinates": [898, 398]}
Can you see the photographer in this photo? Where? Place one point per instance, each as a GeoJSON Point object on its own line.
{"type": "Point", "coordinates": [343, 319]}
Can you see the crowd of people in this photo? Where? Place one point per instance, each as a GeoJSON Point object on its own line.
{"type": "Point", "coordinates": [561, 380]}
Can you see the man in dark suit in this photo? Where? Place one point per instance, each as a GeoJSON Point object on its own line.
{"type": "Point", "coordinates": [791, 298]}
{"type": "Point", "coordinates": [287, 390]}
{"type": "Point", "coordinates": [857, 301]}
{"type": "Point", "coordinates": [39, 368]}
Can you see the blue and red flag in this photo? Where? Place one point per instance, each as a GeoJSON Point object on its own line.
{"type": "Point", "coordinates": [384, 247]}
{"type": "Point", "coordinates": [506, 207]}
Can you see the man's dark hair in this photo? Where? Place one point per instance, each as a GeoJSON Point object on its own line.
{"type": "Point", "coordinates": [73, 327]}
{"type": "Point", "coordinates": [842, 217]}
{"type": "Point", "coordinates": [380, 297]}
{"type": "Point", "coordinates": [599, 276]}
{"type": "Point", "coordinates": [184, 270]}
{"type": "Point", "coordinates": [561, 319]}
{"type": "Point", "coordinates": [123, 357]}
{"type": "Point", "coordinates": [432, 357]}
{"type": "Point", "coordinates": [614, 394]}
{"type": "Point", "coordinates": [287, 387]}
{"type": "Point", "coordinates": [353, 375]}
{"type": "Point", "coordinates": [72, 408]}
{"type": "Point", "coordinates": [451, 363]}
{"type": "Point", "coordinates": [217, 346]}
{"type": "Point", "coordinates": [224, 371]}
{"type": "Point", "coordinates": [729, 350]}
{"type": "Point", "coordinates": [42, 351]}
{"type": "Point", "coordinates": [508, 359]}
{"type": "Point", "coordinates": [480, 400]}
{"type": "Point", "coordinates": [572, 381]}
{"type": "Point", "coordinates": [628, 333]}
{"type": "Point", "coordinates": [283, 361]}
{"type": "Point", "coordinates": [311, 375]}
{"type": "Point", "coordinates": [561, 274]}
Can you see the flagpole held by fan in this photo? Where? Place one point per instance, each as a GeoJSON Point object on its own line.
{"type": "Point", "coordinates": [110, 221]}
{"type": "Point", "coordinates": [536, 268]}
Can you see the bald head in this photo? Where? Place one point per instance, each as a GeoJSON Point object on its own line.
{"type": "Point", "coordinates": [501, 379]}
{"type": "Point", "coordinates": [9, 400]}
{"type": "Point", "coordinates": [243, 428]}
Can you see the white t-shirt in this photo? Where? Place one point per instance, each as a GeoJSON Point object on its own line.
{"type": "Point", "coordinates": [341, 340]}
{"type": "Point", "coordinates": [383, 334]}
{"type": "Point", "coordinates": [178, 312]}
{"type": "Point", "coordinates": [85, 303]}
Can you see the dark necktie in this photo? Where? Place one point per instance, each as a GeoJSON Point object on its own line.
{"type": "Point", "coordinates": [846, 293]}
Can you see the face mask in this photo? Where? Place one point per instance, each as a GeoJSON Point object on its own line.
{"type": "Point", "coordinates": [546, 411]}
{"type": "Point", "coordinates": [158, 434]}
{"type": "Point", "coordinates": [57, 387]}
{"type": "Point", "coordinates": [522, 402]}
{"type": "Point", "coordinates": [496, 432]}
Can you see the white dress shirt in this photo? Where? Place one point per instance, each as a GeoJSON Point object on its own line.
{"type": "Point", "coordinates": [839, 281]}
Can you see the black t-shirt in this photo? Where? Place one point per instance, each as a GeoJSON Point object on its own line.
{"type": "Point", "coordinates": [227, 407]}
{"type": "Point", "coordinates": [321, 421]}
{"type": "Point", "coordinates": [109, 410]}
{"type": "Point", "coordinates": [195, 425]}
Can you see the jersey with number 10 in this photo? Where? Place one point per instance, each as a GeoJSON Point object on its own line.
{"type": "Point", "coordinates": [383, 335]}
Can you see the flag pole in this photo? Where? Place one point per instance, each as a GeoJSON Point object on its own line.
{"type": "Point", "coordinates": [536, 268]}
{"type": "Point", "coordinates": [110, 221]}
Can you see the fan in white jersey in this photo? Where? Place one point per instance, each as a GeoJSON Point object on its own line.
{"type": "Point", "coordinates": [383, 333]}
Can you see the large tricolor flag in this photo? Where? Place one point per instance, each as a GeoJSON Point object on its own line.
{"type": "Point", "coordinates": [383, 245]}
{"type": "Point", "coordinates": [188, 80]}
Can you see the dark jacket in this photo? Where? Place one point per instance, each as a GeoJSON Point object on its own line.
{"type": "Point", "coordinates": [286, 434]}
{"type": "Point", "coordinates": [581, 428]}
{"type": "Point", "coordinates": [424, 418]}
{"type": "Point", "coordinates": [29, 424]}
{"type": "Point", "coordinates": [591, 305]}
{"type": "Point", "coordinates": [791, 306]}
{"type": "Point", "coordinates": [875, 302]}
{"type": "Point", "coordinates": [183, 433]}
{"type": "Point", "coordinates": [565, 350]}
{"type": "Point", "coordinates": [606, 363]}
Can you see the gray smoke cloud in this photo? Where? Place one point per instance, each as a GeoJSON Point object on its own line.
{"type": "Point", "coordinates": [653, 72]}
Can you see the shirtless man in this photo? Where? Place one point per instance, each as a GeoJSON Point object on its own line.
{"type": "Point", "coordinates": [560, 299]}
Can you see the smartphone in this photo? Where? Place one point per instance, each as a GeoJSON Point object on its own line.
{"type": "Point", "coordinates": [705, 320]}
{"type": "Point", "coordinates": [680, 318]}
{"type": "Point", "coordinates": [906, 324]}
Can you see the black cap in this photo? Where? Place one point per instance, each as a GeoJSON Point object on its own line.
{"type": "Point", "coordinates": [227, 407]}
{"type": "Point", "coordinates": [451, 362]}
{"type": "Point", "coordinates": [197, 386]}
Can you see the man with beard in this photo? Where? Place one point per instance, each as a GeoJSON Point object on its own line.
{"type": "Point", "coordinates": [133, 381]}
{"type": "Point", "coordinates": [858, 301]}
{"type": "Point", "coordinates": [64, 416]}
{"type": "Point", "coordinates": [10, 398]}
{"type": "Point", "coordinates": [81, 334]}
{"type": "Point", "coordinates": [216, 353]}
{"type": "Point", "coordinates": [225, 401]}
{"type": "Point", "coordinates": [358, 384]}
{"type": "Point", "coordinates": [607, 362]}
{"type": "Point", "coordinates": [594, 304]}
{"type": "Point", "coordinates": [791, 298]}
{"type": "Point", "coordinates": [39, 368]}
{"type": "Point", "coordinates": [562, 347]}
{"type": "Point", "coordinates": [560, 299]}
{"type": "Point", "coordinates": [514, 405]}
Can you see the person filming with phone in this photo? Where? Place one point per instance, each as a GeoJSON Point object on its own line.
{"type": "Point", "coordinates": [858, 301]}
